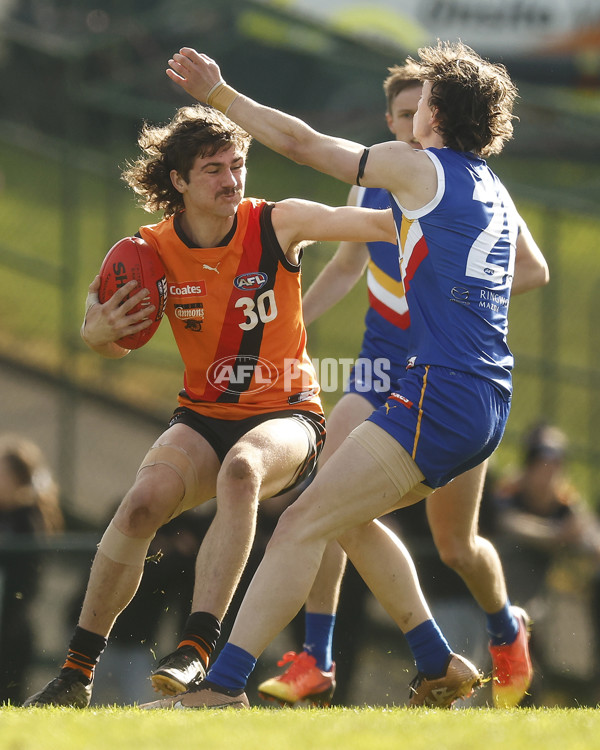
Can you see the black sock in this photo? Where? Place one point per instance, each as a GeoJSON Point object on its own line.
{"type": "Point", "coordinates": [202, 631]}
{"type": "Point", "coordinates": [84, 652]}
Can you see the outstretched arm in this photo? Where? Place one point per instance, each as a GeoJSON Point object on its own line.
{"type": "Point", "coordinates": [392, 165]}
{"type": "Point", "coordinates": [297, 222]}
{"type": "Point", "coordinates": [338, 277]}
{"type": "Point", "coordinates": [200, 76]}
{"type": "Point", "coordinates": [335, 280]}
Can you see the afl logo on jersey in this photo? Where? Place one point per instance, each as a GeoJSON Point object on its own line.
{"type": "Point", "coordinates": [251, 281]}
{"type": "Point", "coordinates": [246, 373]}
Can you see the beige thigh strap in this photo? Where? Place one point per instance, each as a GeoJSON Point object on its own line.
{"type": "Point", "coordinates": [394, 460]}
{"type": "Point", "coordinates": [123, 549]}
{"type": "Point", "coordinates": [180, 461]}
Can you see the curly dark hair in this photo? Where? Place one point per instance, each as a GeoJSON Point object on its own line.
{"type": "Point", "coordinates": [472, 96]}
{"type": "Point", "coordinates": [194, 131]}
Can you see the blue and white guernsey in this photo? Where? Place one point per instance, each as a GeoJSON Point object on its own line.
{"type": "Point", "coordinates": [457, 278]}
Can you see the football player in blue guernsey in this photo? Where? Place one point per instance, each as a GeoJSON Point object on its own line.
{"type": "Point", "coordinates": [458, 232]}
{"type": "Point", "coordinates": [452, 510]}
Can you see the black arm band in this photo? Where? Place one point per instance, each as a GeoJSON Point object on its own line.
{"type": "Point", "coordinates": [361, 166]}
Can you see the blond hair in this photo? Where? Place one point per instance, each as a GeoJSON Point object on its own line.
{"type": "Point", "coordinates": [400, 77]}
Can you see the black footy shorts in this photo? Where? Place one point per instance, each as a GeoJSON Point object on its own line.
{"type": "Point", "coordinates": [222, 434]}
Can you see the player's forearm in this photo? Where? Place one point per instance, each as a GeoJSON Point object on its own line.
{"type": "Point", "coordinates": [293, 138]}
{"type": "Point", "coordinates": [326, 291]}
{"type": "Point", "coordinates": [280, 132]}
{"type": "Point", "coordinates": [201, 77]}
{"type": "Point", "coordinates": [110, 350]}
{"type": "Point", "coordinates": [531, 268]}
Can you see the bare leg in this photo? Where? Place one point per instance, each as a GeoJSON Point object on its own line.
{"type": "Point", "coordinates": [114, 585]}
{"type": "Point", "coordinates": [259, 465]}
{"type": "Point", "coordinates": [410, 608]}
{"type": "Point", "coordinates": [453, 514]}
{"type": "Point", "coordinates": [150, 503]}
{"type": "Point", "coordinates": [355, 491]}
{"type": "Point", "coordinates": [347, 414]}
{"type": "Point", "coordinates": [263, 462]}
{"type": "Point", "coordinates": [350, 491]}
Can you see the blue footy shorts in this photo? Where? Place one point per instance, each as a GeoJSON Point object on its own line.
{"type": "Point", "coordinates": [448, 421]}
{"type": "Point", "coordinates": [374, 378]}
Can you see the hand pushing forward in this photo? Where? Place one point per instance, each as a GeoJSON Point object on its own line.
{"type": "Point", "coordinates": [196, 73]}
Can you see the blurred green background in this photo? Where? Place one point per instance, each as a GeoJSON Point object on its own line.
{"type": "Point", "coordinates": [78, 78]}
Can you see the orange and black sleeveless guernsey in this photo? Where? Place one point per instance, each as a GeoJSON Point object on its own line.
{"type": "Point", "coordinates": [236, 314]}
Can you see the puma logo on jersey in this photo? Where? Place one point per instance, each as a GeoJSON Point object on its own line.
{"type": "Point", "coordinates": [206, 267]}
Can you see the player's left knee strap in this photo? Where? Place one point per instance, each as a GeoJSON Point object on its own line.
{"type": "Point", "coordinates": [120, 548]}
{"type": "Point", "coordinates": [180, 461]}
{"type": "Point", "coordinates": [175, 457]}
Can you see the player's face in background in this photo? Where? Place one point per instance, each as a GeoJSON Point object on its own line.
{"type": "Point", "coordinates": [424, 118]}
{"type": "Point", "coordinates": [215, 184]}
{"type": "Point", "coordinates": [400, 119]}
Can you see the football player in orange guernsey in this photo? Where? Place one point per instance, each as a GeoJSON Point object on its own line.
{"type": "Point", "coordinates": [458, 230]}
{"type": "Point", "coordinates": [249, 422]}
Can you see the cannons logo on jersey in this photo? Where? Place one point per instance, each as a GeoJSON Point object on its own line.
{"type": "Point", "coordinates": [192, 314]}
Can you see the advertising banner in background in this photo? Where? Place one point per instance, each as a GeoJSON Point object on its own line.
{"type": "Point", "coordinates": [500, 29]}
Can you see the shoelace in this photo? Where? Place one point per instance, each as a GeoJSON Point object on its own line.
{"type": "Point", "coordinates": [415, 684]}
{"type": "Point", "coordinates": [298, 663]}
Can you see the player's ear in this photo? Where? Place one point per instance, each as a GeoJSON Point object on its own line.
{"type": "Point", "coordinates": [390, 123]}
{"type": "Point", "coordinates": [178, 182]}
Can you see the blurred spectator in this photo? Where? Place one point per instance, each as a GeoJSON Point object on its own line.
{"type": "Point", "coordinates": [29, 505]}
{"type": "Point", "coordinates": [552, 559]}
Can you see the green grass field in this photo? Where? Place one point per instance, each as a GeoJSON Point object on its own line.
{"type": "Point", "coordinates": [322, 729]}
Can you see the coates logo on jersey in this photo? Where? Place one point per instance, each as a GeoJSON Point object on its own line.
{"type": "Point", "coordinates": [251, 281]}
{"type": "Point", "coordinates": [188, 289]}
{"type": "Point", "coordinates": [242, 374]}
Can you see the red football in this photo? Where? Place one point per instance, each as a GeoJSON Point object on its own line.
{"type": "Point", "coordinates": [133, 258]}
